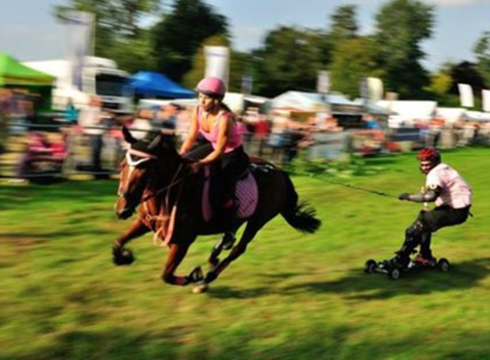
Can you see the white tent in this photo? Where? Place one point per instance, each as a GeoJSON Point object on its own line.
{"type": "Point", "coordinates": [477, 116]}
{"type": "Point", "coordinates": [450, 115]}
{"type": "Point", "coordinates": [301, 101]}
{"type": "Point", "coordinates": [408, 111]}
{"type": "Point", "coordinates": [312, 102]}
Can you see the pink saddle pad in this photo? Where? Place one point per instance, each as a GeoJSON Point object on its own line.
{"type": "Point", "coordinates": [246, 192]}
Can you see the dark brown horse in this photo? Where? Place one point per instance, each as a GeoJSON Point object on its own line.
{"type": "Point", "coordinates": [156, 178]}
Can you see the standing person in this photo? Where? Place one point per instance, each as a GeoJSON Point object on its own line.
{"type": "Point", "coordinates": [452, 196]}
{"type": "Point", "coordinates": [165, 121]}
{"type": "Point", "coordinates": [91, 120]}
{"type": "Point", "coordinates": [71, 112]}
{"type": "Point", "coordinates": [216, 123]}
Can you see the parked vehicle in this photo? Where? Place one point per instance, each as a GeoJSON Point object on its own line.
{"type": "Point", "coordinates": [99, 76]}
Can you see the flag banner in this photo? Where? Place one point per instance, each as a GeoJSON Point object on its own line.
{"type": "Point", "coordinates": [485, 94]}
{"type": "Point", "coordinates": [217, 62]}
{"type": "Point", "coordinates": [466, 95]}
{"type": "Point", "coordinates": [375, 89]}
{"type": "Point", "coordinates": [247, 84]}
{"type": "Point", "coordinates": [364, 89]}
{"type": "Point", "coordinates": [323, 82]}
{"type": "Point", "coordinates": [78, 33]}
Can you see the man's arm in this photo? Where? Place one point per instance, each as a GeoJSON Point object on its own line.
{"type": "Point", "coordinates": [430, 195]}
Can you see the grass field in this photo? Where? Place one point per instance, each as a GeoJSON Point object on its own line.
{"type": "Point", "coordinates": [290, 296]}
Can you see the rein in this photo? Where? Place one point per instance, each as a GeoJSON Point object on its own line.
{"type": "Point", "coordinates": [144, 157]}
{"type": "Point", "coordinates": [173, 182]}
{"type": "Point", "coordinates": [162, 216]}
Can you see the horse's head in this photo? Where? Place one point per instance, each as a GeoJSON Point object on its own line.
{"type": "Point", "coordinates": [142, 169]}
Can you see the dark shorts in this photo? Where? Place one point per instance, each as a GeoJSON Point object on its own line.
{"type": "Point", "coordinates": [443, 216]}
{"type": "Point", "coordinates": [231, 165]}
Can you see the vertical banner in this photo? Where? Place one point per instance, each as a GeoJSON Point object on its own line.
{"type": "Point", "coordinates": [485, 94]}
{"type": "Point", "coordinates": [466, 95]}
{"type": "Point", "coordinates": [247, 84]}
{"type": "Point", "coordinates": [79, 41]}
{"type": "Point", "coordinates": [217, 62]}
{"type": "Point", "coordinates": [323, 82]}
{"type": "Point", "coordinates": [364, 89]}
{"type": "Point", "coordinates": [323, 87]}
{"type": "Point", "coordinates": [375, 89]}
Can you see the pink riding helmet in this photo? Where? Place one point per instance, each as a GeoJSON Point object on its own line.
{"type": "Point", "coordinates": [212, 86]}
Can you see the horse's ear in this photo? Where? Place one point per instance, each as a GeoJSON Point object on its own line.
{"type": "Point", "coordinates": [127, 135]}
{"type": "Point", "coordinates": [157, 141]}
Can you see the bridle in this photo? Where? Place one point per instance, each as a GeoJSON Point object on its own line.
{"type": "Point", "coordinates": [144, 157]}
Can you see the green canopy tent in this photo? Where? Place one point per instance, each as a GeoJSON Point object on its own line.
{"type": "Point", "coordinates": [21, 78]}
{"type": "Point", "coordinates": [15, 74]}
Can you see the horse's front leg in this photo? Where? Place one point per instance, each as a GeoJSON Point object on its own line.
{"type": "Point", "coordinates": [122, 256]}
{"type": "Point", "coordinates": [177, 252]}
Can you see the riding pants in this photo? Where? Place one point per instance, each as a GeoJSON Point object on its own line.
{"type": "Point", "coordinates": [225, 172]}
{"type": "Point", "coordinates": [427, 222]}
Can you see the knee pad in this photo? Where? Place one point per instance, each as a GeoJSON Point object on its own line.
{"type": "Point", "coordinates": [413, 234]}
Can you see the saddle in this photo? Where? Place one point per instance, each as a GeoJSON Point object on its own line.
{"type": "Point", "coordinates": [246, 194]}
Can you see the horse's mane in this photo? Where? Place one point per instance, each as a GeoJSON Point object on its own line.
{"type": "Point", "coordinates": [158, 145]}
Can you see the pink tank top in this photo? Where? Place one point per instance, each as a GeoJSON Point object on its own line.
{"type": "Point", "coordinates": [234, 140]}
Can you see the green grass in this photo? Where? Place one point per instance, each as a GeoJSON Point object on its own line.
{"type": "Point", "coordinates": [289, 297]}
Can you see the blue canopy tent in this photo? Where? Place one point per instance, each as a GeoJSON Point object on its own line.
{"type": "Point", "coordinates": [151, 84]}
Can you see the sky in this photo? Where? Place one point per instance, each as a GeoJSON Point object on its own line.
{"type": "Point", "coordinates": [29, 31]}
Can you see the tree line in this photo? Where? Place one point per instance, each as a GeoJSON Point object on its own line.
{"type": "Point", "coordinates": [169, 38]}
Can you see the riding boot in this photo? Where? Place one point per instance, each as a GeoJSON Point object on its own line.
{"type": "Point", "coordinates": [399, 261]}
{"type": "Point", "coordinates": [425, 250]}
{"type": "Point", "coordinates": [228, 218]}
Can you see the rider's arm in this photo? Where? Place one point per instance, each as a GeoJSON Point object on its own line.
{"type": "Point", "coordinates": [427, 196]}
{"type": "Point", "coordinates": [193, 133]}
{"type": "Point", "coordinates": [220, 146]}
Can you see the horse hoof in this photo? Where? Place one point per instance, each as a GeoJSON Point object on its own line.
{"type": "Point", "coordinates": [201, 288]}
{"type": "Point", "coordinates": [123, 257]}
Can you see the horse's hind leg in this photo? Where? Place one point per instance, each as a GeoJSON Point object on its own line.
{"type": "Point", "coordinates": [222, 244]}
{"type": "Point", "coordinates": [248, 234]}
{"type": "Point", "coordinates": [123, 256]}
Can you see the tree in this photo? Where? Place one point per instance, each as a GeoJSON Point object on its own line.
{"type": "Point", "coordinates": [344, 24]}
{"type": "Point", "coordinates": [401, 26]}
{"type": "Point", "coordinates": [440, 85]}
{"type": "Point", "coordinates": [178, 37]}
{"type": "Point", "coordinates": [482, 52]}
{"type": "Point", "coordinates": [115, 20]}
{"type": "Point", "coordinates": [466, 73]}
{"type": "Point", "coordinates": [353, 60]}
{"type": "Point", "coordinates": [441, 81]}
{"type": "Point", "coordinates": [289, 60]}
{"type": "Point", "coordinates": [135, 54]}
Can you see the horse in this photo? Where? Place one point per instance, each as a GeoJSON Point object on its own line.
{"type": "Point", "coordinates": [155, 179]}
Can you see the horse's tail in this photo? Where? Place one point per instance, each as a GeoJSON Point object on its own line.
{"type": "Point", "coordinates": [301, 215]}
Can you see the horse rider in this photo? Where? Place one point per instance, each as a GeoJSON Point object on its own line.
{"type": "Point", "coordinates": [223, 148]}
{"type": "Point", "coordinates": [452, 197]}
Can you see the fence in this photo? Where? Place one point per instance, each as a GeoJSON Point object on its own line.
{"type": "Point", "coordinates": [46, 152]}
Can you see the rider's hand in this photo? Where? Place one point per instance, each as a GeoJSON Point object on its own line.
{"type": "Point", "coordinates": [404, 196]}
{"type": "Point", "coordinates": [195, 166]}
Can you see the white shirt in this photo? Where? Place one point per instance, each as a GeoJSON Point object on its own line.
{"type": "Point", "coordinates": [455, 192]}
{"type": "Point", "coordinates": [91, 116]}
